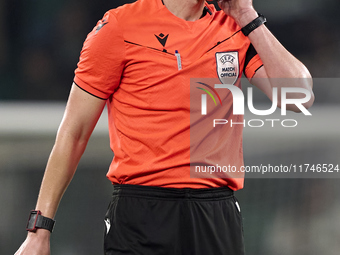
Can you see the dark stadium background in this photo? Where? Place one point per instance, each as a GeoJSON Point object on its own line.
{"type": "Point", "coordinates": [40, 43]}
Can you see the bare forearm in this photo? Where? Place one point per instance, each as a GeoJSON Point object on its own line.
{"type": "Point", "coordinates": [278, 62]}
{"type": "Point", "coordinates": [59, 171]}
{"type": "Point", "coordinates": [280, 68]}
{"type": "Point", "coordinates": [81, 115]}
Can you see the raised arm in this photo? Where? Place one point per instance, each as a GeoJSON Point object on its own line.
{"type": "Point", "coordinates": [280, 68]}
{"type": "Point", "coordinates": [81, 115]}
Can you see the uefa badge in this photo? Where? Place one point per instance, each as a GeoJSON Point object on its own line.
{"type": "Point", "coordinates": [227, 65]}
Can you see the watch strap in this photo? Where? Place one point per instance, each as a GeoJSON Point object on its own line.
{"type": "Point", "coordinates": [260, 20]}
{"type": "Point", "coordinates": [36, 220]}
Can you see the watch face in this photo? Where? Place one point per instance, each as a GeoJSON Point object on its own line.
{"type": "Point", "coordinates": [32, 220]}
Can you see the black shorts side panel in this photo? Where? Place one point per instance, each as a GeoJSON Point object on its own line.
{"type": "Point", "coordinates": [217, 227]}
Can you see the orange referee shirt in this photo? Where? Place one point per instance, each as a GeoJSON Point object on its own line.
{"type": "Point", "coordinates": [129, 59]}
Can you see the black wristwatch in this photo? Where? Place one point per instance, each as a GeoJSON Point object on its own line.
{"type": "Point", "coordinates": [36, 220]}
{"type": "Point", "coordinates": [260, 20]}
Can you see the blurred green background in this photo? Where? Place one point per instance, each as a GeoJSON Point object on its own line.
{"type": "Point", "coordinates": [40, 42]}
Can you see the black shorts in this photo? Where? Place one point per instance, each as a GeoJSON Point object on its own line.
{"type": "Point", "coordinates": [147, 220]}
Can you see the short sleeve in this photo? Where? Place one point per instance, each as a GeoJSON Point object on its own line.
{"type": "Point", "coordinates": [102, 58]}
{"type": "Point", "coordinates": [252, 63]}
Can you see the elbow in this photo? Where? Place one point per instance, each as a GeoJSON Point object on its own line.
{"type": "Point", "coordinates": [301, 105]}
{"type": "Point", "coordinates": [307, 84]}
{"type": "Point", "coordinates": [298, 108]}
{"type": "Point", "coordinates": [305, 74]}
{"type": "Point", "coordinates": [310, 102]}
{"type": "Point", "coordinates": [298, 98]}
{"type": "Point", "coordinates": [69, 136]}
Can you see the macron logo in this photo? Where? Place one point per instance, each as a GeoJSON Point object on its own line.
{"type": "Point", "coordinates": [162, 38]}
{"type": "Point", "coordinates": [108, 225]}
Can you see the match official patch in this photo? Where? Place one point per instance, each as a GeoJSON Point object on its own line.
{"type": "Point", "coordinates": [227, 65]}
